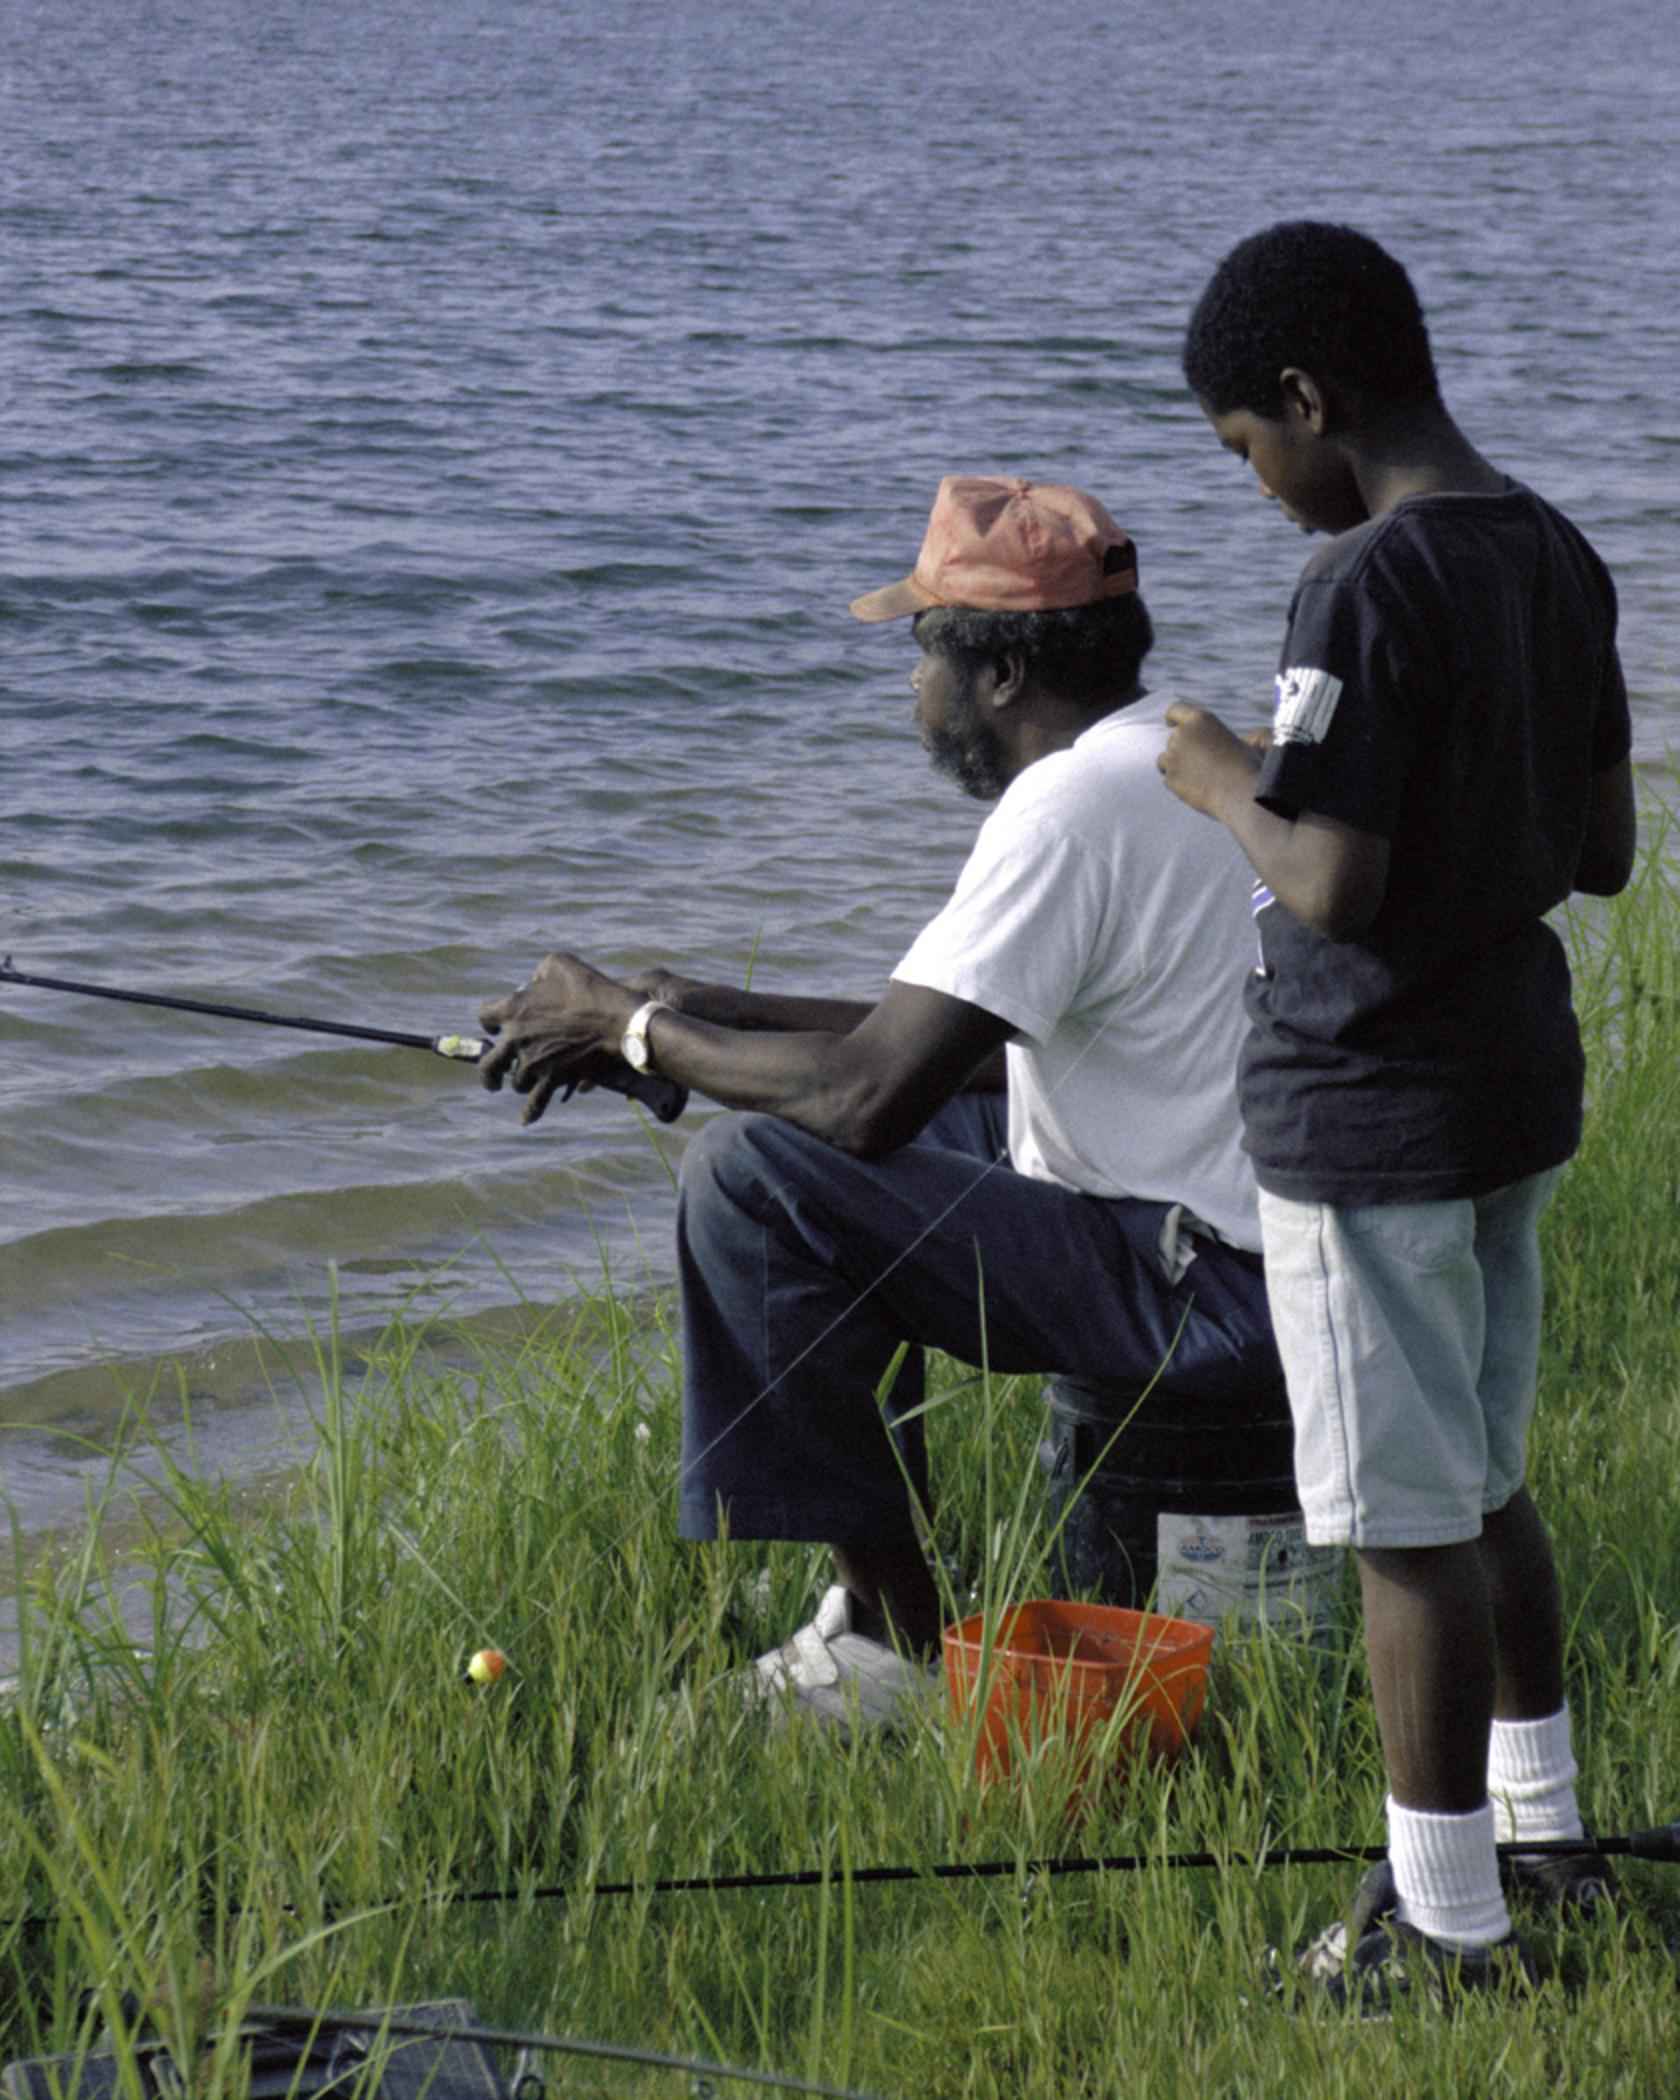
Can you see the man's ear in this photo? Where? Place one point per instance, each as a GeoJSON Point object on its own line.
{"type": "Point", "coordinates": [1009, 678]}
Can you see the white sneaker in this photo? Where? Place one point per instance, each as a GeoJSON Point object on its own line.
{"type": "Point", "coordinates": [840, 1678]}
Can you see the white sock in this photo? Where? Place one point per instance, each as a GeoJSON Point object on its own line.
{"type": "Point", "coordinates": [1446, 1873]}
{"type": "Point", "coordinates": [1531, 1780]}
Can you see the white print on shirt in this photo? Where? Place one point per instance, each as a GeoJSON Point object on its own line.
{"type": "Point", "coordinates": [1306, 700]}
{"type": "Point", "coordinates": [1258, 899]}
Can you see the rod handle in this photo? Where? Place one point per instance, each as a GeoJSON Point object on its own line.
{"type": "Point", "coordinates": [662, 1098]}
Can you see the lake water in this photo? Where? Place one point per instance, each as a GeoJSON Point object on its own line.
{"type": "Point", "coordinates": [439, 447]}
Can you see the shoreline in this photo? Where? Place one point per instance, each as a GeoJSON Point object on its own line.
{"type": "Point", "coordinates": [246, 1420]}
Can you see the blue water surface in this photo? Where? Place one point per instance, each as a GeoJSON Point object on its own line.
{"type": "Point", "coordinates": [440, 445]}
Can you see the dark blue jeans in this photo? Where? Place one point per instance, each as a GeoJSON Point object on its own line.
{"type": "Point", "coordinates": [804, 1270]}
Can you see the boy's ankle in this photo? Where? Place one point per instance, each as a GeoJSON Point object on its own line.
{"type": "Point", "coordinates": [1446, 1876]}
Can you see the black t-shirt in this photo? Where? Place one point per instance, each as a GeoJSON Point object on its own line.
{"type": "Point", "coordinates": [1449, 682]}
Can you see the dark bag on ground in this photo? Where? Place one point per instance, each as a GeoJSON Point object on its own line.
{"type": "Point", "coordinates": [291, 2059]}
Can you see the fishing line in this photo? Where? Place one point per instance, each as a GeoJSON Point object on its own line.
{"type": "Point", "coordinates": [987, 1168]}
{"type": "Point", "coordinates": [985, 1171]}
{"type": "Point", "coordinates": [653, 1505]}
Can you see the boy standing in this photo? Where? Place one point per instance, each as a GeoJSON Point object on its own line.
{"type": "Point", "coordinates": [1448, 761]}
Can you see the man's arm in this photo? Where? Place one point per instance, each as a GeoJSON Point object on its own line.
{"type": "Point", "coordinates": [1324, 873]}
{"type": "Point", "coordinates": [867, 1089]}
{"type": "Point", "coordinates": [733, 1006]}
{"type": "Point", "coordinates": [1607, 852]}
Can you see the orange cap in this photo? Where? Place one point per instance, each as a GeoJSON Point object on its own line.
{"type": "Point", "coordinates": [1000, 544]}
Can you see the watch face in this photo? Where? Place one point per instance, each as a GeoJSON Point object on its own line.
{"type": "Point", "coordinates": [635, 1049]}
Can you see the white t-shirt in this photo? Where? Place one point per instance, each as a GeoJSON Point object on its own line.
{"type": "Point", "coordinates": [1109, 925]}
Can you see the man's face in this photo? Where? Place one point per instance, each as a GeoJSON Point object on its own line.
{"type": "Point", "coordinates": [1297, 469]}
{"type": "Point", "coordinates": [953, 727]}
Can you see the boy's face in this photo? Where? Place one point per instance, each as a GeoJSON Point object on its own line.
{"type": "Point", "coordinates": [1298, 468]}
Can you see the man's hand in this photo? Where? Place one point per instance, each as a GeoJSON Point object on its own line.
{"type": "Point", "coordinates": [660, 983]}
{"type": "Point", "coordinates": [558, 1031]}
{"type": "Point", "coordinates": [1203, 763]}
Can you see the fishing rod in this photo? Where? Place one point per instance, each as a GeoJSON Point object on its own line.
{"type": "Point", "coordinates": [1660, 1844]}
{"type": "Point", "coordinates": [663, 1097]}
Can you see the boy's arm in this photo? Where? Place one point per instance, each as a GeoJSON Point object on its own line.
{"type": "Point", "coordinates": [1324, 873]}
{"type": "Point", "coordinates": [1612, 833]}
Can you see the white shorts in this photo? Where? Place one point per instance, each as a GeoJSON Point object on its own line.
{"type": "Point", "coordinates": [1410, 1335]}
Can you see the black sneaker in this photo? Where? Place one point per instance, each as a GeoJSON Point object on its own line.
{"type": "Point", "coordinates": [1580, 1883]}
{"type": "Point", "coordinates": [1373, 1959]}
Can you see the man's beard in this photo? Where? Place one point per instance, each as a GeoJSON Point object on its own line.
{"type": "Point", "coordinates": [968, 749]}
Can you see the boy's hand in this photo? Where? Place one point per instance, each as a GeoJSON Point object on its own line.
{"type": "Point", "coordinates": [1202, 762]}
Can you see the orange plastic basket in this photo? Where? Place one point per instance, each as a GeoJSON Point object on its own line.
{"type": "Point", "coordinates": [1058, 1669]}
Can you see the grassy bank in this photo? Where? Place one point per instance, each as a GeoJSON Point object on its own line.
{"type": "Point", "coordinates": [273, 1803]}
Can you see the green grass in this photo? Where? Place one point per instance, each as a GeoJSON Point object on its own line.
{"type": "Point", "coordinates": [274, 1798]}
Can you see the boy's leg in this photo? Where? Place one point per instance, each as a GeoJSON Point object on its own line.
{"type": "Point", "coordinates": [1531, 1762]}
{"type": "Point", "coordinates": [1439, 1307]}
{"type": "Point", "coordinates": [1429, 1637]}
{"type": "Point", "coordinates": [1522, 1588]}
{"type": "Point", "coordinates": [1531, 1758]}
{"type": "Point", "coordinates": [1469, 1634]}
{"type": "Point", "coordinates": [1516, 1551]}
{"type": "Point", "coordinates": [1380, 1316]}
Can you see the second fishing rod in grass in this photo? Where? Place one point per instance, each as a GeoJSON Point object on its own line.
{"type": "Point", "coordinates": [661, 1097]}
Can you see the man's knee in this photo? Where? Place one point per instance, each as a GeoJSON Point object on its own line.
{"type": "Point", "coordinates": [728, 1151]}
{"type": "Point", "coordinates": [706, 1156]}
{"type": "Point", "coordinates": [750, 1163]}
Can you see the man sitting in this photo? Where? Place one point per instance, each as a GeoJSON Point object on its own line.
{"type": "Point", "coordinates": [1095, 1215]}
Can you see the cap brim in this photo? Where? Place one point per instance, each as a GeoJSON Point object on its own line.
{"type": "Point", "coordinates": [893, 601]}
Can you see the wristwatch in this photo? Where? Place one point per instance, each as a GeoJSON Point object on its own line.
{"type": "Point", "coordinates": [635, 1049]}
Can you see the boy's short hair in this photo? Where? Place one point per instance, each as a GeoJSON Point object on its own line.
{"type": "Point", "coordinates": [1083, 652]}
{"type": "Point", "coordinates": [1322, 297]}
